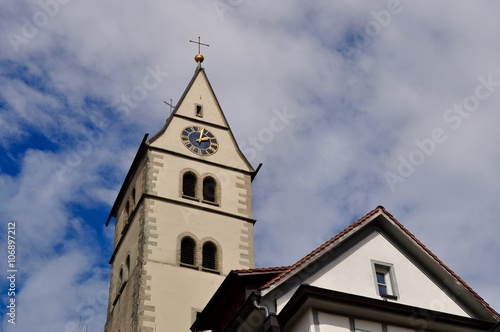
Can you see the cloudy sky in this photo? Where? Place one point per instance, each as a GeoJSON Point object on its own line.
{"type": "Point", "coordinates": [348, 105]}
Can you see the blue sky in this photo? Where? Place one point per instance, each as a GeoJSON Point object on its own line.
{"type": "Point", "coordinates": [348, 104]}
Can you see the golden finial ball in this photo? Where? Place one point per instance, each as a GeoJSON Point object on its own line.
{"type": "Point", "coordinates": [199, 58]}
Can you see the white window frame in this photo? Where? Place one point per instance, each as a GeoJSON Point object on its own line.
{"type": "Point", "coordinates": [389, 277]}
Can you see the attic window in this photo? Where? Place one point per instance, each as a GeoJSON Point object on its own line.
{"type": "Point", "coordinates": [199, 111]}
{"type": "Point", "coordinates": [382, 282]}
{"type": "Point", "coordinates": [385, 280]}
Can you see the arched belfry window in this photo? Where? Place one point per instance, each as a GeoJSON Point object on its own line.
{"type": "Point", "coordinates": [209, 258]}
{"type": "Point", "coordinates": [120, 278]}
{"type": "Point", "coordinates": [188, 247]}
{"type": "Point", "coordinates": [209, 189]}
{"type": "Point", "coordinates": [126, 270]}
{"type": "Point", "coordinates": [126, 213]}
{"type": "Point", "coordinates": [189, 184]}
{"type": "Point", "coordinates": [132, 200]}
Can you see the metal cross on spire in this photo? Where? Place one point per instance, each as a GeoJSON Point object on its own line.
{"type": "Point", "coordinates": [199, 43]}
{"type": "Point", "coordinates": [199, 57]}
{"type": "Point", "coordinates": [171, 104]}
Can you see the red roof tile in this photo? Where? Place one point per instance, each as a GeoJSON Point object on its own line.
{"type": "Point", "coordinates": [263, 269]}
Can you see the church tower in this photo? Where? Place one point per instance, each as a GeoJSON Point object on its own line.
{"type": "Point", "coordinates": [183, 218]}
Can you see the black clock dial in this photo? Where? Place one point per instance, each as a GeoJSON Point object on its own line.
{"type": "Point", "coordinates": [199, 140]}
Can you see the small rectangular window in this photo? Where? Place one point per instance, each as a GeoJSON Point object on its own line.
{"type": "Point", "coordinates": [385, 279]}
{"type": "Point", "coordinates": [382, 283]}
{"type": "Point", "coordinates": [199, 111]}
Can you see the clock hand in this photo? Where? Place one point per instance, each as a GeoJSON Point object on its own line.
{"type": "Point", "coordinates": [201, 135]}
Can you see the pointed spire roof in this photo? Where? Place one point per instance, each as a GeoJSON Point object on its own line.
{"type": "Point", "coordinates": [215, 118]}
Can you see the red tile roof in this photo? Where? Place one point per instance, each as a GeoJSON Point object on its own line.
{"type": "Point", "coordinates": [378, 210]}
{"type": "Point", "coordinates": [263, 269]}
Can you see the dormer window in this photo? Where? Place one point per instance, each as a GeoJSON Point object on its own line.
{"type": "Point", "coordinates": [385, 279]}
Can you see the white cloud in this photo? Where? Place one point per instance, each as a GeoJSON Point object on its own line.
{"type": "Point", "coordinates": [359, 106]}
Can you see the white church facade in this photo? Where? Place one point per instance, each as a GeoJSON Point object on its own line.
{"type": "Point", "coordinates": [183, 252]}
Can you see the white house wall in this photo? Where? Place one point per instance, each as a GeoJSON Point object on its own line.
{"type": "Point", "coordinates": [333, 323]}
{"type": "Point", "coordinates": [304, 324]}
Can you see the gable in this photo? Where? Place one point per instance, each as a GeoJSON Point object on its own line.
{"type": "Point", "coordinates": [200, 93]}
{"type": "Point", "coordinates": [198, 107]}
{"type": "Point", "coordinates": [353, 272]}
{"type": "Point", "coordinates": [349, 263]}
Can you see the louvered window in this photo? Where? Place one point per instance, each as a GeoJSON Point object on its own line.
{"type": "Point", "coordinates": [209, 189]}
{"type": "Point", "coordinates": [187, 251]}
{"type": "Point", "coordinates": [189, 185]}
{"type": "Point", "coordinates": [209, 260]}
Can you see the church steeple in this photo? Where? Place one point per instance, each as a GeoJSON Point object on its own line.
{"type": "Point", "coordinates": [183, 217]}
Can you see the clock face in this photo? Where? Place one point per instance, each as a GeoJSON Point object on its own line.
{"type": "Point", "coordinates": [200, 141]}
